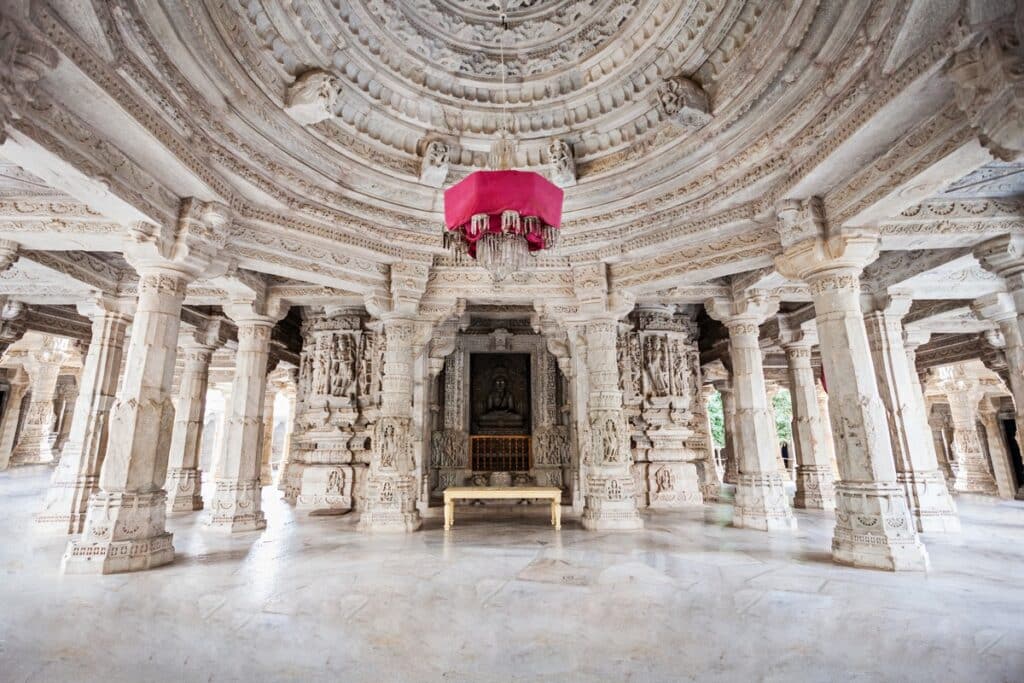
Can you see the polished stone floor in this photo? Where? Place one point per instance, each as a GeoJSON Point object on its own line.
{"type": "Point", "coordinates": [505, 598]}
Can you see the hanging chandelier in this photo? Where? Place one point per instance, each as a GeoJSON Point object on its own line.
{"type": "Point", "coordinates": [501, 217]}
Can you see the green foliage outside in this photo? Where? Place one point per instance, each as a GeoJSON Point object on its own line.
{"type": "Point", "coordinates": [717, 419]}
{"type": "Point", "coordinates": [783, 417]}
{"type": "Point", "coordinates": [783, 405]}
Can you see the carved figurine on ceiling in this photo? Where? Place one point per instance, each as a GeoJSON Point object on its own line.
{"type": "Point", "coordinates": [434, 167]}
{"type": "Point", "coordinates": [562, 162]}
{"type": "Point", "coordinates": [311, 98]}
{"type": "Point", "coordinates": [685, 102]}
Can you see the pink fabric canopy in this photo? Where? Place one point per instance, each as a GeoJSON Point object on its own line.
{"type": "Point", "coordinates": [492, 192]}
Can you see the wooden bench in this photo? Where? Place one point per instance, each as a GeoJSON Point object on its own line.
{"type": "Point", "coordinates": [454, 493]}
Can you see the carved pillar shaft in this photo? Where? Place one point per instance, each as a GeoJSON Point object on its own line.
{"type": "Point", "coordinates": [972, 474]}
{"type": "Point", "coordinates": [77, 476]}
{"type": "Point", "coordinates": [124, 527]}
{"type": "Point", "coordinates": [815, 480]}
{"type": "Point", "coordinates": [729, 427]}
{"type": "Point", "coordinates": [761, 500]}
{"type": "Point", "coordinates": [184, 479]}
{"type": "Point", "coordinates": [1002, 467]}
{"type": "Point", "coordinates": [874, 527]}
{"type": "Point", "coordinates": [236, 504]}
{"type": "Point", "coordinates": [36, 441]}
{"type": "Point", "coordinates": [917, 468]}
{"type": "Point", "coordinates": [391, 488]}
{"type": "Point", "coordinates": [610, 498]}
{"type": "Point", "coordinates": [873, 523]}
{"type": "Point", "coordinates": [266, 472]}
{"type": "Point", "coordinates": [12, 413]}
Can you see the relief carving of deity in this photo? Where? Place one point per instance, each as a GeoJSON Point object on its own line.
{"type": "Point", "coordinates": [664, 480]}
{"type": "Point", "coordinates": [608, 441]}
{"type": "Point", "coordinates": [657, 365]}
{"type": "Point", "coordinates": [335, 483]}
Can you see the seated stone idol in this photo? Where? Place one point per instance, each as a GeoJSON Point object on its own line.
{"type": "Point", "coordinates": [500, 407]}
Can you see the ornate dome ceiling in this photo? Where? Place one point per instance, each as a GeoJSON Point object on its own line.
{"type": "Point", "coordinates": [676, 126]}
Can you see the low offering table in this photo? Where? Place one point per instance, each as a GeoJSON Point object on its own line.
{"type": "Point", "coordinates": [454, 493]}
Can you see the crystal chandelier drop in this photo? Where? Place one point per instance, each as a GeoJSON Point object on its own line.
{"type": "Point", "coordinates": [501, 217]}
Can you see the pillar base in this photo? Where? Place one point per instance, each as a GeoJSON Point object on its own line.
{"type": "Point", "coordinates": [610, 504]}
{"type": "Point", "coordinates": [325, 489]}
{"type": "Point", "coordinates": [124, 532]}
{"type": "Point", "coordinates": [975, 478]}
{"type": "Point", "coordinates": [874, 528]}
{"type": "Point", "coordinates": [35, 451]}
{"type": "Point", "coordinates": [761, 503]}
{"type": "Point", "coordinates": [236, 507]}
{"type": "Point", "coordinates": [673, 485]}
{"type": "Point", "coordinates": [390, 506]}
{"type": "Point", "coordinates": [710, 493]}
{"type": "Point", "coordinates": [184, 489]}
{"type": "Point", "coordinates": [931, 506]}
{"type": "Point", "coordinates": [66, 506]}
{"type": "Point", "coordinates": [815, 488]}
{"type": "Point", "coordinates": [290, 481]}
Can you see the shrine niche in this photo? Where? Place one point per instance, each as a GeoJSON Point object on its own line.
{"type": "Point", "coordinates": [500, 393]}
{"type": "Point", "coordinates": [499, 384]}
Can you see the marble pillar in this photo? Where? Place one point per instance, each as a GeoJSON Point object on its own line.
{"type": "Point", "coordinates": [19, 383]}
{"type": "Point", "coordinates": [125, 523]}
{"type": "Point", "coordinates": [972, 474]}
{"type": "Point", "coordinates": [77, 475]}
{"type": "Point", "coordinates": [1004, 256]}
{"type": "Point", "coordinates": [761, 501]}
{"type": "Point", "coordinates": [36, 442]}
{"type": "Point", "coordinates": [815, 480]}
{"type": "Point", "coordinates": [184, 478]}
{"type": "Point", "coordinates": [390, 485]}
{"type": "Point", "coordinates": [237, 500]}
{"type": "Point", "coordinates": [999, 454]}
{"type": "Point", "coordinates": [730, 452]}
{"type": "Point", "coordinates": [266, 471]}
{"type": "Point", "coordinates": [829, 444]}
{"type": "Point", "coordinates": [917, 467]}
{"type": "Point", "coordinates": [610, 500]}
{"type": "Point", "coordinates": [874, 527]}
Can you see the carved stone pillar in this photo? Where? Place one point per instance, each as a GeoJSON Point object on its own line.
{"type": "Point", "coordinates": [1004, 256]}
{"type": "Point", "coordinates": [335, 413]}
{"type": "Point", "coordinates": [661, 353]}
{"type": "Point", "coordinates": [610, 499]}
{"type": "Point", "coordinates": [815, 480]}
{"type": "Point", "coordinates": [237, 498]}
{"type": "Point", "coordinates": [829, 443]}
{"type": "Point", "coordinates": [391, 487]}
{"type": "Point", "coordinates": [125, 523]}
{"type": "Point", "coordinates": [36, 441]}
{"type": "Point", "coordinates": [917, 468]}
{"type": "Point", "coordinates": [19, 384]}
{"type": "Point", "coordinates": [266, 471]}
{"type": "Point", "coordinates": [77, 476]}
{"type": "Point", "coordinates": [730, 452]}
{"type": "Point", "coordinates": [1002, 468]}
{"type": "Point", "coordinates": [761, 500]}
{"type": "Point", "coordinates": [124, 526]}
{"type": "Point", "coordinates": [972, 474]}
{"type": "Point", "coordinates": [184, 479]}
{"type": "Point", "coordinates": [874, 527]}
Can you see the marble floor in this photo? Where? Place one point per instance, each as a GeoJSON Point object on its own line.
{"type": "Point", "coordinates": [504, 598]}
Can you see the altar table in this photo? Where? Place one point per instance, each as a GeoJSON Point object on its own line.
{"type": "Point", "coordinates": [454, 493]}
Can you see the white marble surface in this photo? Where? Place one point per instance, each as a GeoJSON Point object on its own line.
{"type": "Point", "coordinates": [509, 599]}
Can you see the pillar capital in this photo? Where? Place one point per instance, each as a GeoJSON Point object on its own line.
{"type": "Point", "coordinates": [190, 248]}
{"type": "Point", "coordinates": [747, 310]}
{"type": "Point", "coordinates": [892, 304]}
{"type": "Point", "coordinates": [103, 305]}
{"type": "Point", "coordinates": [831, 261]}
